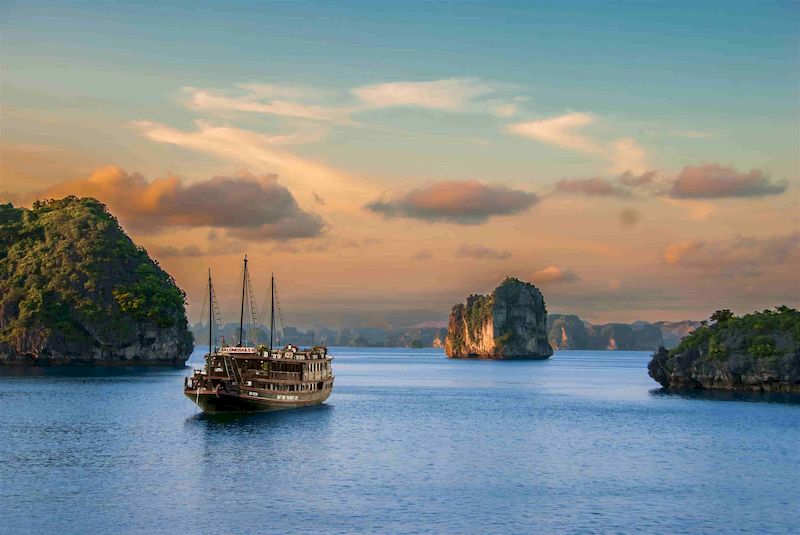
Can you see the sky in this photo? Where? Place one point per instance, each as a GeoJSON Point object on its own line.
{"type": "Point", "coordinates": [635, 160]}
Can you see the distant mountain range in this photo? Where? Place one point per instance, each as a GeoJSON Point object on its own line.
{"type": "Point", "coordinates": [564, 332]}
{"type": "Point", "coordinates": [571, 332]}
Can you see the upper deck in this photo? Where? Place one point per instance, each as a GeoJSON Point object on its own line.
{"type": "Point", "coordinates": [288, 354]}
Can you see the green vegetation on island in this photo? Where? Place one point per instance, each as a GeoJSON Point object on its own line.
{"type": "Point", "coordinates": [74, 288]}
{"type": "Point", "coordinates": [758, 351]}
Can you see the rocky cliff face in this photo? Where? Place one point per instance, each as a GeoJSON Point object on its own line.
{"type": "Point", "coordinates": [757, 352]}
{"type": "Point", "coordinates": [509, 323]}
{"type": "Point", "coordinates": [74, 289]}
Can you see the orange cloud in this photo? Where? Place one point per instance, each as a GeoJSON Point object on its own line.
{"type": "Point", "coordinates": [482, 251]}
{"type": "Point", "coordinates": [590, 186]}
{"type": "Point", "coordinates": [465, 202]}
{"type": "Point", "coordinates": [554, 274]}
{"type": "Point", "coordinates": [248, 206]}
{"type": "Point", "coordinates": [676, 252]}
{"type": "Point", "coordinates": [741, 255]}
{"type": "Point", "coordinates": [713, 181]}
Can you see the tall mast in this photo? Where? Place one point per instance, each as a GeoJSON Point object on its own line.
{"type": "Point", "coordinates": [210, 313]}
{"type": "Point", "coordinates": [272, 310]}
{"type": "Point", "coordinates": [241, 314]}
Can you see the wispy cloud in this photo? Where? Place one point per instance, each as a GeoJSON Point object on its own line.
{"type": "Point", "coordinates": [264, 154]}
{"type": "Point", "coordinates": [675, 253]}
{"type": "Point", "coordinates": [628, 157]}
{"type": "Point", "coordinates": [482, 252]}
{"type": "Point", "coordinates": [451, 94]}
{"type": "Point", "coordinates": [559, 131]}
{"type": "Point", "coordinates": [257, 102]}
{"type": "Point", "coordinates": [738, 256]}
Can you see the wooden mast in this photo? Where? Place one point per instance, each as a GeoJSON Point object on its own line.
{"type": "Point", "coordinates": [272, 310]}
{"type": "Point", "coordinates": [210, 313]}
{"type": "Point", "coordinates": [241, 314]}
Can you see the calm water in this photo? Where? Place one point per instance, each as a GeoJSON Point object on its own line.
{"type": "Point", "coordinates": [408, 443]}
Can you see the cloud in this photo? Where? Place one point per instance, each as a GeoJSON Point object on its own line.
{"type": "Point", "coordinates": [597, 186]}
{"type": "Point", "coordinates": [264, 154]}
{"type": "Point", "coordinates": [559, 131]}
{"type": "Point", "coordinates": [466, 202]}
{"type": "Point", "coordinates": [676, 253]}
{"type": "Point", "coordinates": [698, 210]}
{"type": "Point", "coordinates": [505, 110]}
{"type": "Point", "coordinates": [628, 157]}
{"type": "Point", "coordinates": [714, 181]}
{"type": "Point", "coordinates": [628, 217]}
{"type": "Point", "coordinates": [631, 179]}
{"type": "Point", "coordinates": [254, 102]}
{"type": "Point", "coordinates": [481, 251]}
{"type": "Point", "coordinates": [424, 254]}
{"type": "Point", "coordinates": [554, 275]}
{"type": "Point", "coordinates": [738, 256]}
{"type": "Point", "coordinates": [245, 205]}
{"type": "Point", "coordinates": [450, 94]}
{"type": "Point", "coordinates": [170, 251]}
{"type": "Point", "coordinates": [695, 134]}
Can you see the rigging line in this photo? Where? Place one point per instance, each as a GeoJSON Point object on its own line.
{"type": "Point", "coordinates": [280, 311]}
{"type": "Point", "coordinates": [217, 314]}
{"type": "Point", "coordinates": [203, 310]}
{"type": "Point", "coordinates": [233, 304]}
{"type": "Point", "coordinates": [253, 312]}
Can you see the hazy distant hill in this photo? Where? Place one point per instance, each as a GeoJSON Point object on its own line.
{"type": "Point", "coordinates": [564, 332]}
{"type": "Point", "coordinates": [571, 332]}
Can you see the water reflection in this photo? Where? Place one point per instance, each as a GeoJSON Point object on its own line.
{"type": "Point", "coordinates": [89, 371]}
{"type": "Point", "coordinates": [726, 395]}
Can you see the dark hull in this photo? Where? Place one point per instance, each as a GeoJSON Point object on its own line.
{"type": "Point", "coordinates": [230, 402]}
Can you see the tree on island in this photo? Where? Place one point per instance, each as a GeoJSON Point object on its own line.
{"type": "Point", "coordinates": [721, 316]}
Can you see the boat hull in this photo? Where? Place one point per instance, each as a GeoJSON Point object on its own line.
{"type": "Point", "coordinates": [221, 402]}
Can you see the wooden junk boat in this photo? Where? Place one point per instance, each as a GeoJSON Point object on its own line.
{"type": "Point", "coordinates": [245, 378]}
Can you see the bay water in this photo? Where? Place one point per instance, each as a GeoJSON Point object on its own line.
{"type": "Point", "coordinates": [409, 442]}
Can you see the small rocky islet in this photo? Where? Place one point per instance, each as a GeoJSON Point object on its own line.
{"type": "Point", "coordinates": [76, 290]}
{"type": "Point", "coordinates": [509, 323]}
{"type": "Point", "coordinates": [758, 352]}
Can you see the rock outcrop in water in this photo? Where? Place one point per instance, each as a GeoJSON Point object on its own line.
{"type": "Point", "coordinates": [74, 289]}
{"type": "Point", "coordinates": [755, 352]}
{"type": "Point", "coordinates": [509, 323]}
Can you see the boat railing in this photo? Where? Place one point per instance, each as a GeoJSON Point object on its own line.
{"type": "Point", "coordinates": [282, 376]}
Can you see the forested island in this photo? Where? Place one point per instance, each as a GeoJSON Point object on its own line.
{"type": "Point", "coordinates": [754, 352]}
{"type": "Point", "coordinates": [75, 289]}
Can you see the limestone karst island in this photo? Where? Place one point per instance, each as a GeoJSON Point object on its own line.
{"type": "Point", "coordinates": [75, 289]}
{"type": "Point", "coordinates": [509, 323]}
{"type": "Point", "coordinates": [756, 352]}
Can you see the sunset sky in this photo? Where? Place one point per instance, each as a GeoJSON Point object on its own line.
{"type": "Point", "coordinates": [637, 160]}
